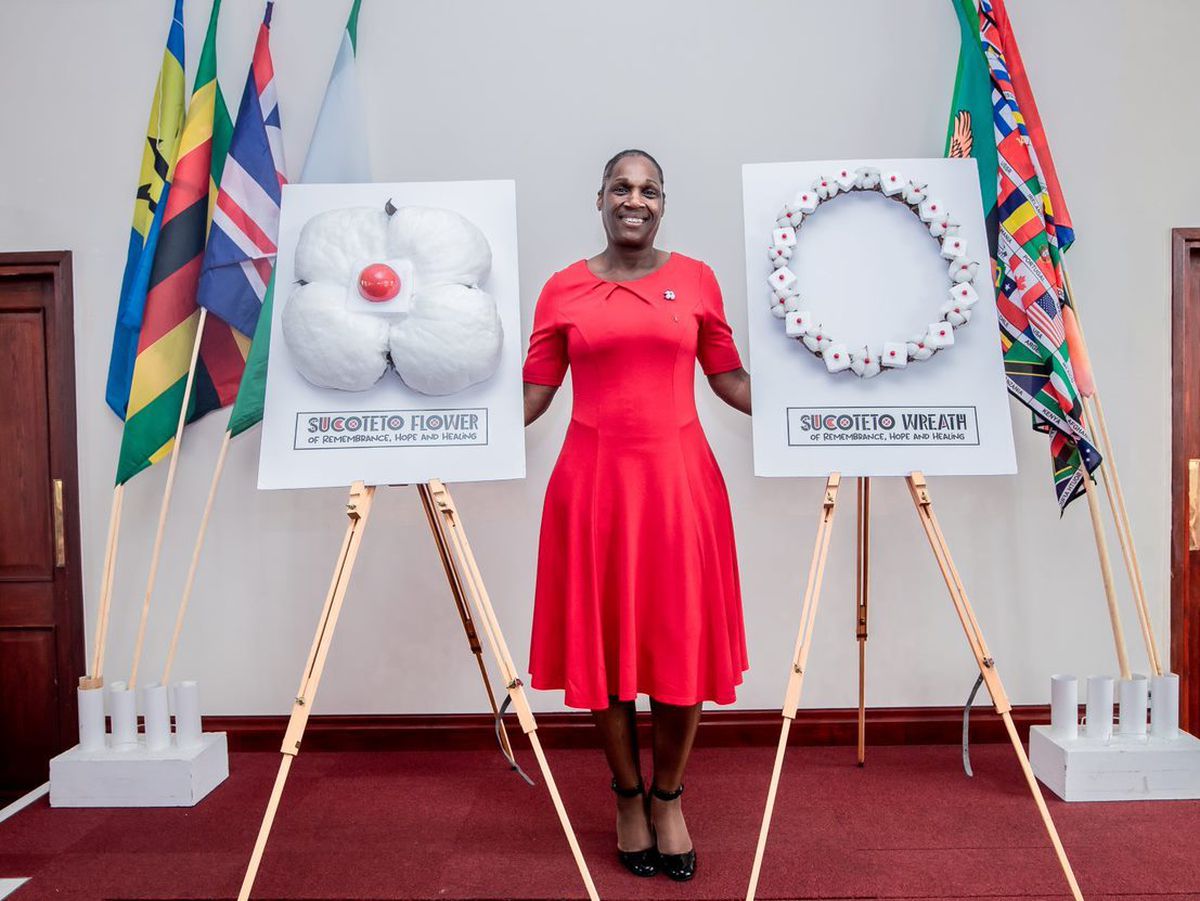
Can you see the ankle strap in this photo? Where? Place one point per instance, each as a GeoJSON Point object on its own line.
{"type": "Point", "coordinates": [665, 795]}
{"type": "Point", "coordinates": [638, 789]}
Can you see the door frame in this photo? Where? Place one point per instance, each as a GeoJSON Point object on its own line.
{"type": "Point", "coordinates": [59, 318]}
{"type": "Point", "coordinates": [1185, 445]}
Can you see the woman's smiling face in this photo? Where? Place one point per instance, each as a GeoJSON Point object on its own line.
{"type": "Point", "coordinates": [631, 203]}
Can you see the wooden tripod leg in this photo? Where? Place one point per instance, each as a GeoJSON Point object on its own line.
{"type": "Point", "coordinates": [460, 604]}
{"type": "Point", "coordinates": [485, 614]}
{"type": "Point", "coordinates": [987, 666]}
{"type": "Point", "coordinates": [358, 509]}
{"type": "Point", "coordinates": [862, 593]}
{"type": "Point", "coordinates": [791, 698]}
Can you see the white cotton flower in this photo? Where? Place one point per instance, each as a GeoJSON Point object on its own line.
{"type": "Point", "coordinates": [425, 265]}
{"type": "Point", "coordinates": [445, 248]}
{"type": "Point", "coordinates": [334, 243]}
{"type": "Point", "coordinates": [449, 341]}
{"type": "Point", "coordinates": [331, 346]}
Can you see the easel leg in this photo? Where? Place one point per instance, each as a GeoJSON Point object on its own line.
{"type": "Point", "coordinates": [358, 509]}
{"type": "Point", "coordinates": [791, 699]}
{"type": "Point", "coordinates": [862, 592]}
{"type": "Point", "coordinates": [485, 614]}
{"type": "Point", "coordinates": [987, 666]}
{"type": "Point", "coordinates": [460, 604]}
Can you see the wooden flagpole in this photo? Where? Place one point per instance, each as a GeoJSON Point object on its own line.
{"type": "Point", "coordinates": [156, 553]}
{"type": "Point", "coordinates": [1116, 499]}
{"type": "Point", "coordinates": [191, 575]}
{"type": "Point", "coordinates": [95, 677]}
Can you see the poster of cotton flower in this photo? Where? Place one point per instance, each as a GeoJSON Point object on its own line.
{"type": "Point", "coordinates": [874, 343]}
{"type": "Point", "coordinates": [395, 341]}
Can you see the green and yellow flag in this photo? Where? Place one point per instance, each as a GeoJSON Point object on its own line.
{"type": "Point", "coordinates": [171, 315]}
{"type": "Point", "coordinates": [158, 156]}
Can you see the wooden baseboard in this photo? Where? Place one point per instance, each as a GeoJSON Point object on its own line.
{"type": "Point", "coordinates": [718, 728]}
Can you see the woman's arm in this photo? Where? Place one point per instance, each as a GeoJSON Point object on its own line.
{"type": "Point", "coordinates": [537, 400]}
{"type": "Point", "coordinates": [733, 387]}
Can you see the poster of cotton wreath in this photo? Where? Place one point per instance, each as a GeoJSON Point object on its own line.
{"type": "Point", "coordinates": [395, 341]}
{"type": "Point", "coordinates": [874, 344]}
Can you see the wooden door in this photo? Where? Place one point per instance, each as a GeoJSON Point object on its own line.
{"type": "Point", "coordinates": [1185, 472]}
{"type": "Point", "coordinates": [41, 601]}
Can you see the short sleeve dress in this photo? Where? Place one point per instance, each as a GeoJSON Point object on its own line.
{"type": "Point", "coordinates": [637, 577]}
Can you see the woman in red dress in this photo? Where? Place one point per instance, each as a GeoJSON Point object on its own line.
{"type": "Point", "coordinates": [637, 581]}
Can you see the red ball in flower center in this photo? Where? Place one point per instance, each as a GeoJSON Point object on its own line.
{"type": "Point", "coordinates": [378, 282]}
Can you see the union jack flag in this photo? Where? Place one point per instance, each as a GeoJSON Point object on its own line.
{"type": "Point", "coordinates": [245, 220]}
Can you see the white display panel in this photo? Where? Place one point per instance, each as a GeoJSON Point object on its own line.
{"type": "Point", "coordinates": [391, 434]}
{"type": "Point", "coordinates": [870, 271]}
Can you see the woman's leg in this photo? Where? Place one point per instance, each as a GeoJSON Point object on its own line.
{"type": "Point", "coordinates": [618, 731]}
{"type": "Point", "coordinates": [674, 732]}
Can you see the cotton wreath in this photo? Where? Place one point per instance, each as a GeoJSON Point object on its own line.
{"type": "Point", "coordinates": [869, 360]}
{"type": "Point", "coordinates": [398, 287]}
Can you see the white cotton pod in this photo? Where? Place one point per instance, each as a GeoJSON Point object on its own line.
{"type": "Point", "coordinates": [331, 346]}
{"type": "Point", "coordinates": [335, 243]}
{"type": "Point", "coordinates": [867, 178]}
{"type": "Point", "coordinates": [450, 340]}
{"type": "Point", "coordinates": [778, 306]}
{"type": "Point", "coordinates": [836, 357]}
{"type": "Point", "coordinates": [444, 247]}
{"type": "Point", "coordinates": [914, 192]}
{"type": "Point", "coordinates": [816, 340]}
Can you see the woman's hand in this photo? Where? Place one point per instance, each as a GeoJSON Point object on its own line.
{"type": "Point", "coordinates": [537, 400]}
{"type": "Point", "coordinates": [733, 387]}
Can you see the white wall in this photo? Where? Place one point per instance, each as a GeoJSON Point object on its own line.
{"type": "Point", "coordinates": [543, 92]}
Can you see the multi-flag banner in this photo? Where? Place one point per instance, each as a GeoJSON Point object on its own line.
{"type": "Point", "coordinates": [162, 140]}
{"type": "Point", "coordinates": [169, 324]}
{"type": "Point", "coordinates": [994, 119]}
{"type": "Point", "coordinates": [245, 226]}
{"type": "Point", "coordinates": [337, 153]}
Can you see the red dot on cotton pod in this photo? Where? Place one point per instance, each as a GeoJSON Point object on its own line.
{"type": "Point", "coordinates": [921, 345]}
{"type": "Point", "coordinates": [824, 184]}
{"type": "Point", "coordinates": [789, 215]}
{"type": "Point", "coordinates": [893, 178]}
{"type": "Point", "coordinates": [942, 332]}
{"type": "Point", "coordinates": [933, 207]}
{"type": "Point", "coordinates": [891, 353]}
{"type": "Point", "coordinates": [963, 292]}
{"type": "Point", "coordinates": [378, 282]}
{"type": "Point", "coordinates": [837, 356]}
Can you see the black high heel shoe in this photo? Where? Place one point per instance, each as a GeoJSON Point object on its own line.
{"type": "Point", "coordinates": [680, 867]}
{"type": "Point", "coordinates": [639, 863]}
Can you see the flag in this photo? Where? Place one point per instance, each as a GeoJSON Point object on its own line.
{"type": "Point", "coordinates": [1028, 229]}
{"type": "Point", "coordinates": [338, 152]}
{"type": "Point", "coordinates": [171, 315]}
{"type": "Point", "coordinates": [162, 140]}
{"type": "Point", "coordinates": [245, 224]}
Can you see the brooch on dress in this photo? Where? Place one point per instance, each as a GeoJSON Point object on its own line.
{"type": "Point", "coordinates": [668, 295]}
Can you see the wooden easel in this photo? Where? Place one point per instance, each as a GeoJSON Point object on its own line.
{"type": "Point", "coordinates": [958, 596]}
{"type": "Point", "coordinates": [465, 580]}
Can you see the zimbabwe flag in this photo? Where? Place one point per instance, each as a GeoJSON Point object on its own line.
{"type": "Point", "coordinates": [171, 314]}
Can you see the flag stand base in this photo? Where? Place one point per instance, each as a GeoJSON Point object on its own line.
{"type": "Point", "coordinates": [474, 605]}
{"type": "Point", "coordinates": [919, 491]}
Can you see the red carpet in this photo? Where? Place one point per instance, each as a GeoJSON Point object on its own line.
{"type": "Point", "coordinates": [459, 825]}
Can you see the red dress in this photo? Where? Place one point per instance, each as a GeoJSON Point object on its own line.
{"type": "Point", "coordinates": [637, 580]}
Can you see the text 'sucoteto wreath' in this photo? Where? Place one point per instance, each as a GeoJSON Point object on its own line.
{"type": "Point", "coordinates": [868, 361]}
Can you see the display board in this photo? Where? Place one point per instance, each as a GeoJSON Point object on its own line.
{"type": "Point", "coordinates": [882, 275]}
{"type": "Point", "coordinates": [395, 338]}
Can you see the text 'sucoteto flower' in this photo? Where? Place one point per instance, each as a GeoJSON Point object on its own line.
{"type": "Point", "coordinates": [397, 287]}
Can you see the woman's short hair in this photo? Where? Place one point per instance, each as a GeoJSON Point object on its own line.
{"type": "Point", "coordinates": [633, 151]}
